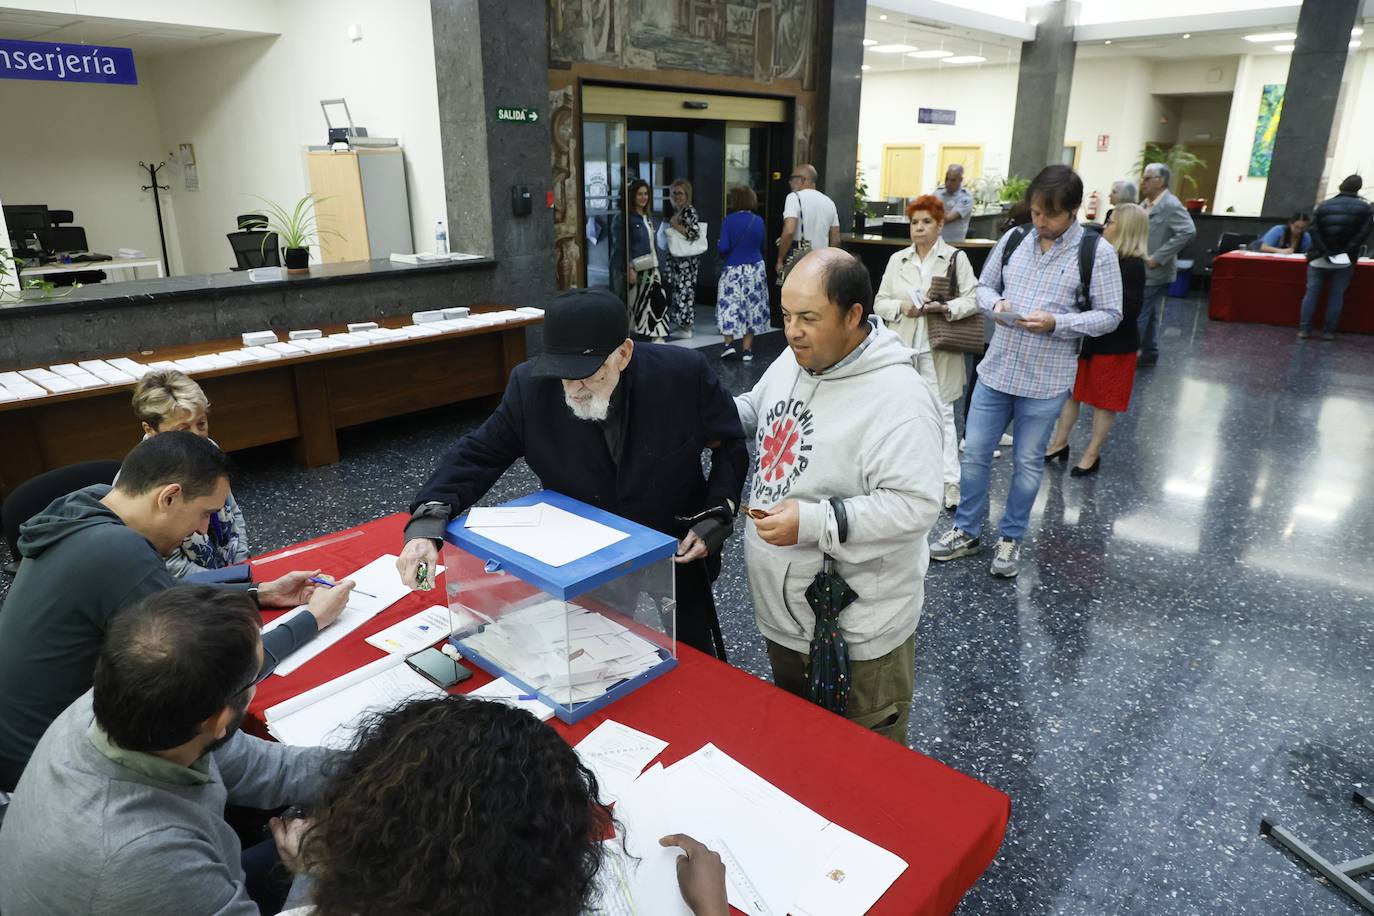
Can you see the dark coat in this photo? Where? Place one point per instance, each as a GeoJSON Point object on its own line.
{"type": "Point", "coordinates": [1126, 337]}
{"type": "Point", "coordinates": [1339, 225]}
{"type": "Point", "coordinates": [676, 408]}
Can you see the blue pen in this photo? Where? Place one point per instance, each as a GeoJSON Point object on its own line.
{"type": "Point", "coordinates": [327, 584]}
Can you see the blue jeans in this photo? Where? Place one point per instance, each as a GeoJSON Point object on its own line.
{"type": "Point", "coordinates": [1032, 422]}
{"type": "Point", "coordinates": [1151, 317]}
{"type": "Point", "coordinates": [1335, 294]}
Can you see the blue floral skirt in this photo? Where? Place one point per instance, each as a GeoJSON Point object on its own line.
{"type": "Point", "coordinates": [742, 300]}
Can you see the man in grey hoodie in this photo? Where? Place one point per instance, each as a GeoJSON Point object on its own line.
{"type": "Point", "coordinates": [849, 441]}
{"type": "Point", "coordinates": [95, 552]}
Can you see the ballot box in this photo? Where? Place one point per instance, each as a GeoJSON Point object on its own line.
{"type": "Point", "coordinates": [572, 604]}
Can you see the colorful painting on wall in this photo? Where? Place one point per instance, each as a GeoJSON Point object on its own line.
{"type": "Point", "coordinates": [1266, 127]}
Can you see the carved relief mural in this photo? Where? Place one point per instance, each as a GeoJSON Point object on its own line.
{"type": "Point", "coordinates": [566, 181]}
{"type": "Point", "coordinates": [762, 40]}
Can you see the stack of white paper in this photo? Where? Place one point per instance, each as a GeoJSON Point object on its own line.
{"type": "Point", "coordinates": [261, 353]}
{"type": "Point", "coordinates": [162, 364]}
{"type": "Point", "coordinates": [530, 311]}
{"type": "Point", "coordinates": [780, 856]}
{"type": "Point", "coordinates": [329, 715]}
{"type": "Point", "coordinates": [107, 373]}
{"type": "Point", "coordinates": [6, 396]}
{"type": "Point", "coordinates": [49, 380]}
{"type": "Point", "coordinates": [455, 312]}
{"type": "Point", "coordinates": [350, 339]}
{"type": "Point", "coordinates": [239, 357]}
{"type": "Point", "coordinates": [285, 349]}
{"type": "Point", "coordinates": [21, 387]}
{"type": "Point", "coordinates": [380, 579]}
{"type": "Point", "coordinates": [77, 376]}
{"type": "Point", "coordinates": [503, 691]}
{"type": "Point", "coordinates": [318, 345]}
{"type": "Point", "coordinates": [137, 370]}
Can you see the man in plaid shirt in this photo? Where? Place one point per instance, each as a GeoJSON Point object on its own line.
{"type": "Point", "coordinates": [1030, 366]}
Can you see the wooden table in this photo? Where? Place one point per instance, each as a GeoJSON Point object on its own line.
{"type": "Point", "coordinates": [305, 398]}
{"type": "Point", "coordinates": [1268, 289]}
{"type": "Point", "coordinates": [945, 825]}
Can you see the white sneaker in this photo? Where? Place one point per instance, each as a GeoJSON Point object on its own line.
{"type": "Point", "coordinates": [951, 496]}
{"type": "Point", "coordinates": [1006, 439]}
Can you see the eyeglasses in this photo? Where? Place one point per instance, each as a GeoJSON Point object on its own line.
{"type": "Point", "coordinates": [269, 664]}
{"type": "Point", "coordinates": [797, 178]}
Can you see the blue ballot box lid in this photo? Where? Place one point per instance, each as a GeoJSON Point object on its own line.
{"type": "Point", "coordinates": [642, 547]}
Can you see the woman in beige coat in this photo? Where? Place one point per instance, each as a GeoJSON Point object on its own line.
{"type": "Point", "coordinates": [903, 302]}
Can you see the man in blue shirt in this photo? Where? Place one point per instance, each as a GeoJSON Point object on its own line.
{"type": "Point", "coordinates": [958, 204]}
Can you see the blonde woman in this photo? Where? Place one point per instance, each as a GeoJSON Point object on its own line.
{"type": "Point", "coordinates": [1106, 365]}
{"type": "Point", "coordinates": [903, 302]}
{"type": "Point", "coordinates": [681, 273]}
{"type": "Point", "coordinates": [166, 401]}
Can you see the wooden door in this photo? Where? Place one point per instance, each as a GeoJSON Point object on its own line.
{"type": "Point", "coordinates": [968, 155]}
{"type": "Point", "coordinates": [902, 171]}
{"type": "Point", "coordinates": [1204, 176]}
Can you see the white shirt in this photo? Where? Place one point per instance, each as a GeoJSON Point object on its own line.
{"type": "Point", "coordinates": [815, 214]}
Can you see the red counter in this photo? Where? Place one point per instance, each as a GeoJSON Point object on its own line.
{"type": "Point", "coordinates": [1268, 289]}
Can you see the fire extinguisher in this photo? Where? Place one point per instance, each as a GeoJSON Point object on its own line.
{"type": "Point", "coordinates": [1091, 212]}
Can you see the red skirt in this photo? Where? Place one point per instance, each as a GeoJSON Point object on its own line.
{"type": "Point", "coordinates": [1105, 380]}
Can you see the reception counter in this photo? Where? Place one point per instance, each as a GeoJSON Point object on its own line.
{"type": "Point", "coordinates": [876, 250]}
{"type": "Point", "coordinates": [146, 314]}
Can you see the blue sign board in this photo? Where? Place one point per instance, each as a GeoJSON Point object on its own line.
{"type": "Point", "coordinates": [66, 63]}
{"type": "Point", "coordinates": [935, 116]}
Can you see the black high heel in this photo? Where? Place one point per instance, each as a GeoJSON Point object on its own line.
{"type": "Point", "coordinates": [1088, 471]}
{"type": "Point", "coordinates": [1061, 455]}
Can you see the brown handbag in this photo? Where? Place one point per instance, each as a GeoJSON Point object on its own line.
{"type": "Point", "coordinates": [962, 336]}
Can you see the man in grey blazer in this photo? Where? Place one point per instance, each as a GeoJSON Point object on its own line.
{"type": "Point", "coordinates": [1170, 229]}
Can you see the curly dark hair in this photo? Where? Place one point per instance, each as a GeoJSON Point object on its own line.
{"type": "Point", "coordinates": [460, 807]}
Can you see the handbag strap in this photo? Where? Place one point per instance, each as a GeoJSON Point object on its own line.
{"type": "Point", "coordinates": [801, 216]}
{"type": "Point", "coordinates": [953, 275]}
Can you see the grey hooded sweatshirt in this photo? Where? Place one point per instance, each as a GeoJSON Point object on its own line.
{"type": "Point", "coordinates": [868, 431]}
{"type": "Point", "coordinates": [81, 566]}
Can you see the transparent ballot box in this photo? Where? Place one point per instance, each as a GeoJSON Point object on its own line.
{"type": "Point", "coordinates": [572, 604]}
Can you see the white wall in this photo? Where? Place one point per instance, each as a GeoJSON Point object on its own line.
{"type": "Point", "coordinates": [1355, 137]}
{"type": "Point", "coordinates": [1112, 96]}
{"type": "Point", "coordinates": [1236, 190]}
{"type": "Point", "coordinates": [980, 95]}
{"type": "Point", "coordinates": [76, 146]}
{"type": "Point", "coordinates": [252, 106]}
{"type": "Point", "coordinates": [245, 15]}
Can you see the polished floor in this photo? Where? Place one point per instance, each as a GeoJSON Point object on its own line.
{"type": "Point", "coordinates": [1186, 650]}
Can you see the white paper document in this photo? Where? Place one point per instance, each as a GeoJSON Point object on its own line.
{"type": "Point", "coordinates": [559, 539]}
{"type": "Point", "coordinates": [378, 577]}
{"type": "Point", "coordinates": [617, 754]}
{"type": "Point", "coordinates": [1008, 319]}
{"type": "Point", "coordinates": [414, 633]}
{"type": "Point", "coordinates": [329, 715]}
{"type": "Point", "coordinates": [505, 517]}
{"type": "Point", "coordinates": [503, 691]}
{"type": "Point", "coordinates": [780, 856]}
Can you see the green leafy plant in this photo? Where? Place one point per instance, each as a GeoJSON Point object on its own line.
{"type": "Point", "coordinates": [1180, 162]}
{"type": "Point", "coordinates": [297, 227]}
{"type": "Point", "coordinates": [1013, 189]}
{"type": "Point", "coordinates": [43, 287]}
{"type": "Point", "coordinates": [860, 192]}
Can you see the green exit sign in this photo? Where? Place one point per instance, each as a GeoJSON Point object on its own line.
{"type": "Point", "coordinates": [521, 115]}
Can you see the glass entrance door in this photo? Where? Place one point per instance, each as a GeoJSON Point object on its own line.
{"type": "Point", "coordinates": [603, 196]}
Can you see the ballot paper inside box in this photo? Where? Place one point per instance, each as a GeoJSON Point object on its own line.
{"type": "Point", "coordinates": [578, 607]}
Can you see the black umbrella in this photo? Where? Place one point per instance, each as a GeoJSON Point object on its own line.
{"type": "Point", "coordinates": [828, 594]}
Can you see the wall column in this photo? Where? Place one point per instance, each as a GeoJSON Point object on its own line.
{"type": "Point", "coordinates": [1042, 89]}
{"type": "Point", "coordinates": [483, 51]}
{"type": "Point", "coordinates": [839, 83]}
{"type": "Point", "coordinates": [1306, 128]}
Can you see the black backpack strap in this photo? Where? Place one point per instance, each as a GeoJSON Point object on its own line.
{"type": "Point", "coordinates": [1087, 254]}
{"type": "Point", "coordinates": [1015, 237]}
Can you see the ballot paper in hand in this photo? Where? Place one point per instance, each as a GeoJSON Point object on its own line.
{"type": "Point", "coordinates": [378, 577]}
{"type": "Point", "coordinates": [1008, 318]}
{"type": "Point", "coordinates": [560, 537]}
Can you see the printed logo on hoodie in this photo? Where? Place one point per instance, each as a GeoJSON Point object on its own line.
{"type": "Point", "coordinates": [784, 439]}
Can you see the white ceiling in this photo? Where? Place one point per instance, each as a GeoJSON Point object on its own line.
{"type": "Point", "coordinates": [147, 39]}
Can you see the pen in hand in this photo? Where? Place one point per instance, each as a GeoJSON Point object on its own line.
{"type": "Point", "coordinates": [329, 584]}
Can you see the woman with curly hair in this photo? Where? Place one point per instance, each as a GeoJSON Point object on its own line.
{"type": "Point", "coordinates": [467, 808]}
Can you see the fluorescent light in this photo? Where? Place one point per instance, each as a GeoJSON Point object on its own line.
{"type": "Point", "coordinates": [1187, 35]}
{"type": "Point", "coordinates": [1356, 32]}
{"type": "Point", "coordinates": [883, 18]}
{"type": "Point", "coordinates": [1284, 49]}
{"type": "Point", "coordinates": [1354, 44]}
{"type": "Point", "coordinates": [865, 67]}
{"type": "Point", "coordinates": [870, 42]}
{"type": "Point", "coordinates": [932, 54]}
{"type": "Point", "coordinates": [1108, 41]}
{"type": "Point", "coordinates": [964, 59]}
{"type": "Point", "coordinates": [892, 49]}
{"type": "Point", "coordinates": [1266, 37]}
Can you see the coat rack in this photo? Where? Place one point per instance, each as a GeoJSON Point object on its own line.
{"type": "Point", "coordinates": [152, 171]}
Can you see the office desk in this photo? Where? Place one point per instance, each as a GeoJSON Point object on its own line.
{"type": "Point", "coordinates": [946, 826]}
{"type": "Point", "coordinates": [121, 264]}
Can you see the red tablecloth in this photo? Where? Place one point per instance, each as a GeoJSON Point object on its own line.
{"type": "Point", "coordinates": [945, 825]}
{"type": "Point", "coordinates": [1268, 289]}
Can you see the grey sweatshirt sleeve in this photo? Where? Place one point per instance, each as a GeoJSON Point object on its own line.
{"type": "Point", "coordinates": [902, 499]}
{"type": "Point", "coordinates": [191, 877]}
{"type": "Point", "coordinates": [281, 641]}
{"type": "Point", "coordinates": [265, 774]}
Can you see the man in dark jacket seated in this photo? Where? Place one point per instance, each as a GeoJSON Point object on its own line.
{"type": "Point", "coordinates": [616, 426]}
{"type": "Point", "coordinates": [1339, 228]}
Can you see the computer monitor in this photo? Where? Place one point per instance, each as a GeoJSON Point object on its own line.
{"type": "Point", "coordinates": [26, 217]}
{"type": "Point", "coordinates": [63, 239]}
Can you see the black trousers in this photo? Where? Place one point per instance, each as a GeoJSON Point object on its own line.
{"type": "Point", "coordinates": [697, 623]}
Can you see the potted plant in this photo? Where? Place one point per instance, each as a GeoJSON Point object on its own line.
{"type": "Point", "coordinates": [1013, 190]}
{"type": "Point", "coordinates": [1181, 164]}
{"type": "Point", "coordinates": [296, 230]}
{"type": "Point", "coordinates": [860, 201]}
{"type": "Point", "coordinates": [37, 288]}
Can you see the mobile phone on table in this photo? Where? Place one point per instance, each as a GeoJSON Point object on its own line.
{"type": "Point", "coordinates": [437, 668]}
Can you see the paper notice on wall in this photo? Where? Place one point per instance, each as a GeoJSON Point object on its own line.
{"type": "Point", "coordinates": [186, 152]}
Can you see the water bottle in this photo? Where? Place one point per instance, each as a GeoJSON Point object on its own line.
{"type": "Point", "coordinates": [440, 238]}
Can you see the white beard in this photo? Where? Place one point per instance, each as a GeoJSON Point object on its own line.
{"type": "Point", "coordinates": [594, 408]}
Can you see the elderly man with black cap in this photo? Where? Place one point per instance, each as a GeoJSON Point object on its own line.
{"type": "Point", "coordinates": [617, 426]}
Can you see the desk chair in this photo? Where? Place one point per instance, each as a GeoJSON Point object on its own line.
{"type": "Point", "coordinates": [255, 249]}
{"type": "Point", "coordinates": [60, 217]}
{"type": "Point", "coordinates": [1229, 241]}
{"type": "Point", "coordinates": [255, 221]}
{"type": "Point", "coordinates": [33, 496]}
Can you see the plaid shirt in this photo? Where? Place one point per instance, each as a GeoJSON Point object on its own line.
{"type": "Point", "coordinates": [1031, 365]}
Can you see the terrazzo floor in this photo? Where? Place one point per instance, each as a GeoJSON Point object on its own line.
{"type": "Point", "coordinates": [1187, 648]}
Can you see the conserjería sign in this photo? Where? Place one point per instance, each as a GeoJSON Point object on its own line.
{"type": "Point", "coordinates": [66, 63]}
